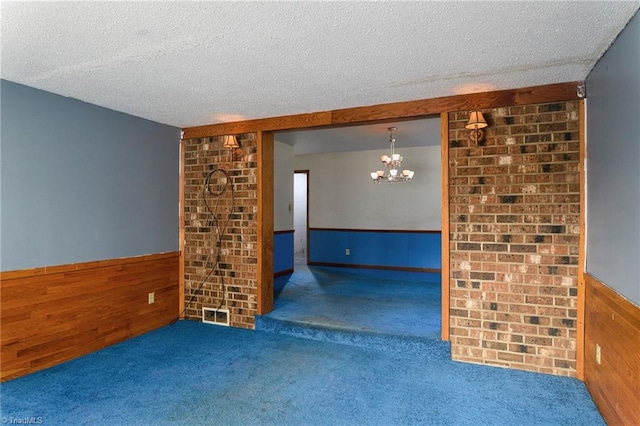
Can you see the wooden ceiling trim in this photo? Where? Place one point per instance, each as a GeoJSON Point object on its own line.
{"type": "Point", "coordinates": [394, 111]}
{"type": "Point", "coordinates": [285, 122]}
{"type": "Point", "coordinates": [421, 108]}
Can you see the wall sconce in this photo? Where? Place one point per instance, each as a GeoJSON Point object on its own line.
{"type": "Point", "coordinates": [475, 125]}
{"type": "Point", "coordinates": [230, 141]}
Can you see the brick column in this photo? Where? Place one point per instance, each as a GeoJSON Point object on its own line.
{"type": "Point", "coordinates": [233, 286]}
{"type": "Point", "coordinates": [514, 217]}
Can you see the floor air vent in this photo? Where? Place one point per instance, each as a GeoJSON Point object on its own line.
{"type": "Point", "coordinates": [215, 316]}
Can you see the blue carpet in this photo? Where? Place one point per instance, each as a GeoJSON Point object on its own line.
{"type": "Point", "coordinates": [357, 365]}
{"type": "Point", "coordinates": [368, 300]}
{"type": "Point", "coordinates": [191, 373]}
{"type": "Point", "coordinates": [424, 347]}
{"type": "Point", "coordinates": [386, 310]}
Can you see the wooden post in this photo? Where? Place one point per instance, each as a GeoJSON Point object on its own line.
{"type": "Point", "coordinates": [580, 338]}
{"type": "Point", "coordinates": [181, 241]}
{"type": "Point", "coordinates": [444, 164]}
{"type": "Point", "coordinates": [264, 294]}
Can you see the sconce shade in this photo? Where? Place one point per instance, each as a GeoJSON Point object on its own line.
{"type": "Point", "coordinates": [476, 121]}
{"type": "Point", "coordinates": [230, 141]}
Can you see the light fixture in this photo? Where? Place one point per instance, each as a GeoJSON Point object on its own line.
{"type": "Point", "coordinates": [476, 124]}
{"type": "Point", "coordinates": [230, 141]}
{"type": "Point", "coordinates": [393, 162]}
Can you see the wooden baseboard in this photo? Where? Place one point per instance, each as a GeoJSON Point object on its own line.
{"type": "Point", "coordinates": [54, 314]}
{"type": "Point", "coordinates": [613, 323]}
{"type": "Point", "coordinates": [281, 273]}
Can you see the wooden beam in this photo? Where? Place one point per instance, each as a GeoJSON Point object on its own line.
{"type": "Point", "coordinates": [444, 196]}
{"type": "Point", "coordinates": [265, 153]}
{"type": "Point", "coordinates": [393, 111]}
{"type": "Point", "coordinates": [426, 107]}
{"type": "Point", "coordinates": [285, 122]}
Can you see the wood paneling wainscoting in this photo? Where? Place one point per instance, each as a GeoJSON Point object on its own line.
{"type": "Point", "coordinates": [613, 323]}
{"type": "Point", "coordinates": [54, 314]}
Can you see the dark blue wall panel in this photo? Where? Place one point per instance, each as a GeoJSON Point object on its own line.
{"type": "Point", "coordinates": [399, 249]}
{"type": "Point", "coordinates": [282, 252]}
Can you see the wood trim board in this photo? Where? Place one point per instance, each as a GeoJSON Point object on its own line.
{"type": "Point", "coordinates": [181, 231]}
{"type": "Point", "coordinates": [83, 266]}
{"type": "Point", "coordinates": [444, 167]}
{"type": "Point", "coordinates": [284, 272]}
{"type": "Point", "coordinates": [582, 253]}
{"type": "Point", "coordinates": [265, 142]}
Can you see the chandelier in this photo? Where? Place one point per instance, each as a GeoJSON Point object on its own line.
{"type": "Point", "coordinates": [392, 162]}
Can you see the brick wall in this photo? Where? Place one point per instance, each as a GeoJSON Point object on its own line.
{"type": "Point", "coordinates": [233, 284]}
{"type": "Point", "coordinates": [514, 238]}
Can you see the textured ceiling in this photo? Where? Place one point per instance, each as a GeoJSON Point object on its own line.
{"type": "Point", "coordinates": [194, 63]}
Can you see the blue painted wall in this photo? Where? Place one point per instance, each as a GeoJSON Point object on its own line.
{"type": "Point", "coordinates": [376, 248]}
{"type": "Point", "coordinates": [80, 182]}
{"type": "Point", "coordinates": [613, 157]}
{"type": "Point", "coordinates": [282, 252]}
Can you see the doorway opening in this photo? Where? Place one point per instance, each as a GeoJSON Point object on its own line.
{"type": "Point", "coordinates": [300, 217]}
{"type": "Point", "coordinates": [366, 256]}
